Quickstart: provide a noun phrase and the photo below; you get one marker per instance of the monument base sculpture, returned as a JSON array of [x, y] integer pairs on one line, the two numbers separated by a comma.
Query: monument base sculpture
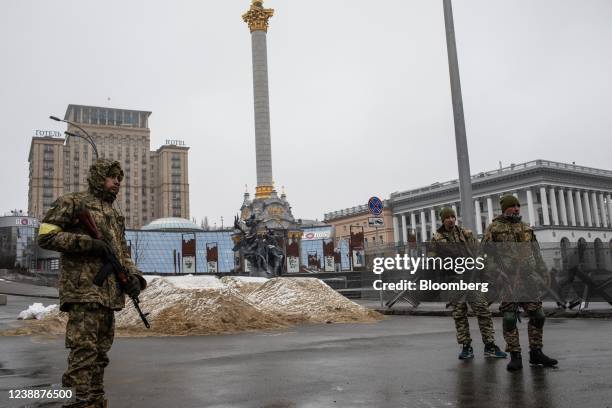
[[266, 236]]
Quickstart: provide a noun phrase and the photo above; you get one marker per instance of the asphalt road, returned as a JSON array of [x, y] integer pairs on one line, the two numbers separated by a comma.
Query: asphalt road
[[404, 361]]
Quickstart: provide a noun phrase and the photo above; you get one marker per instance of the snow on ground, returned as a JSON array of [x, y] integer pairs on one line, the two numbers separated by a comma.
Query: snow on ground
[[199, 305], [308, 299], [36, 311], [195, 282]]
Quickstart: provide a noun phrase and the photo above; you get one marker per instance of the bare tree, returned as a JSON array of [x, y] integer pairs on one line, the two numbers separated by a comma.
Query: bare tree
[[139, 247]]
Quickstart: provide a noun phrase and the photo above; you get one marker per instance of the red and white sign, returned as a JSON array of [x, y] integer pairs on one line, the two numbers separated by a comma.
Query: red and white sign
[[314, 235], [32, 222]]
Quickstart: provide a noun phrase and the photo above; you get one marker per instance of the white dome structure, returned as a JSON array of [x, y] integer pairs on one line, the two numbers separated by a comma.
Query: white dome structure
[[171, 224]]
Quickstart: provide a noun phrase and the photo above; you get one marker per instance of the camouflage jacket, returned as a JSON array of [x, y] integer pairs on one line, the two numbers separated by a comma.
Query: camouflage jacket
[[454, 243], [62, 231], [513, 251]]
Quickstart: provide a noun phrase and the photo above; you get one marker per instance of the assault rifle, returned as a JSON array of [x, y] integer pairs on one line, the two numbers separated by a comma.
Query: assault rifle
[[513, 285], [111, 264]]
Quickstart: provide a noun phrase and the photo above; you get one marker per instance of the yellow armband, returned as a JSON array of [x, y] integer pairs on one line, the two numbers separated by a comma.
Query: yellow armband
[[48, 228]]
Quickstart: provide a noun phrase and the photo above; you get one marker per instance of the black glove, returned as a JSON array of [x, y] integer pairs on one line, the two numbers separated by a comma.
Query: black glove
[[132, 286], [100, 248], [105, 271]]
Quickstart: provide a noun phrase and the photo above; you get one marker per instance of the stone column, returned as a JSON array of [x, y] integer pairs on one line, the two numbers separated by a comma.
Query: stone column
[[489, 210], [530, 209], [478, 217], [587, 207], [604, 216], [413, 223], [395, 230], [544, 204], [553, 206], [257, 18], [596, 217], [423, 227], [455, 210], [579, 208], [609, 209], [404, 231], [432, 215], [562, 207], [572, 208]]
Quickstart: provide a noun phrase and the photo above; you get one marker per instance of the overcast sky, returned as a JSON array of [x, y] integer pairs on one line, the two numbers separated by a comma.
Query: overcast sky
[[359, 91]]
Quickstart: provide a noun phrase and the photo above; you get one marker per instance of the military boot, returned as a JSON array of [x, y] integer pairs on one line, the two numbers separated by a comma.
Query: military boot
[[516, 361], [491, 350], [466, 353], [536, 357]]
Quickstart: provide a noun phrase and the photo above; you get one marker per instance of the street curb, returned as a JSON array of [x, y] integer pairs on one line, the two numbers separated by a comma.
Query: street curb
[[33, 296], [588, 314]]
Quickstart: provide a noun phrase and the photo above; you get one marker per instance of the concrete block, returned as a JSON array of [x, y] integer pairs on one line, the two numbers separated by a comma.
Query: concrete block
[[2, 300]]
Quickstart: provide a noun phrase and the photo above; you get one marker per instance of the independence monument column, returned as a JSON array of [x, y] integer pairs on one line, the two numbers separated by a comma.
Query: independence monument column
[[257, 19]]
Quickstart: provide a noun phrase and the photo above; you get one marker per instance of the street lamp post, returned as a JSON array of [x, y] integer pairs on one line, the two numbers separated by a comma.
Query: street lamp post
[[463, 158], [87, 137]]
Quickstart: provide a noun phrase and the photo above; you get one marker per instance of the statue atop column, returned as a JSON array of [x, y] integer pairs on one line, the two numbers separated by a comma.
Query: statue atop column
[[257, 17], [266, 229]]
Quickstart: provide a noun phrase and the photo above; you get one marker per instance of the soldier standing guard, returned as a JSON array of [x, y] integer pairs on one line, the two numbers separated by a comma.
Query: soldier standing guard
[[91, 324], [508, 228], [454, 241]]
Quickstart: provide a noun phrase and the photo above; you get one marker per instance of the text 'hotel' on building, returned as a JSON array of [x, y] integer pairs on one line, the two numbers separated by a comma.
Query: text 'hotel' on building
[[156, 182]]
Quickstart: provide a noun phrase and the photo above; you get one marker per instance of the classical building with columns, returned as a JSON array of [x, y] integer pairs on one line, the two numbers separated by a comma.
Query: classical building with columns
[[343, 220], [561, 201]]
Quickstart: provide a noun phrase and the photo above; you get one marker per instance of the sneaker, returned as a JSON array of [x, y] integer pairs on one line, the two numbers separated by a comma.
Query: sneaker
[[516, 361], [536, 357], [491, 350], [466, 353]]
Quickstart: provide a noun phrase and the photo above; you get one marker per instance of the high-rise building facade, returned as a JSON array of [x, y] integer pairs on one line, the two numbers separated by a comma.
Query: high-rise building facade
[[170, 180], [45, 176], [155, 184]]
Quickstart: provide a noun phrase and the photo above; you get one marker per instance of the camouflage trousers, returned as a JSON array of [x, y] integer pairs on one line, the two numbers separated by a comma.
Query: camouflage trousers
[[480, 306], [534, 327], [89, 336]]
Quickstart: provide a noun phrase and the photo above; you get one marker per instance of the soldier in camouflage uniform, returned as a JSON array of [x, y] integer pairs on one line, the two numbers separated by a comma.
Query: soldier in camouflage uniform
[[520, 263], [90, 327], [450, 240]]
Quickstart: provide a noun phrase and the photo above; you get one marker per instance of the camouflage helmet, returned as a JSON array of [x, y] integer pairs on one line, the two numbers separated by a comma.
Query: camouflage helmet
[[508, 201], [447, 212], [98, 172]]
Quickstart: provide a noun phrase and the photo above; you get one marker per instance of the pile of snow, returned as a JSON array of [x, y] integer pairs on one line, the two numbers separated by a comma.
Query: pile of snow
[[306, 300], [199, 305], [178, 306], [36, 311]]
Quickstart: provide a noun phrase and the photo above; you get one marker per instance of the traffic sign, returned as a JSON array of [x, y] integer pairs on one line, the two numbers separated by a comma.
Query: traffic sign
[[376, 221], [375, 205]]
